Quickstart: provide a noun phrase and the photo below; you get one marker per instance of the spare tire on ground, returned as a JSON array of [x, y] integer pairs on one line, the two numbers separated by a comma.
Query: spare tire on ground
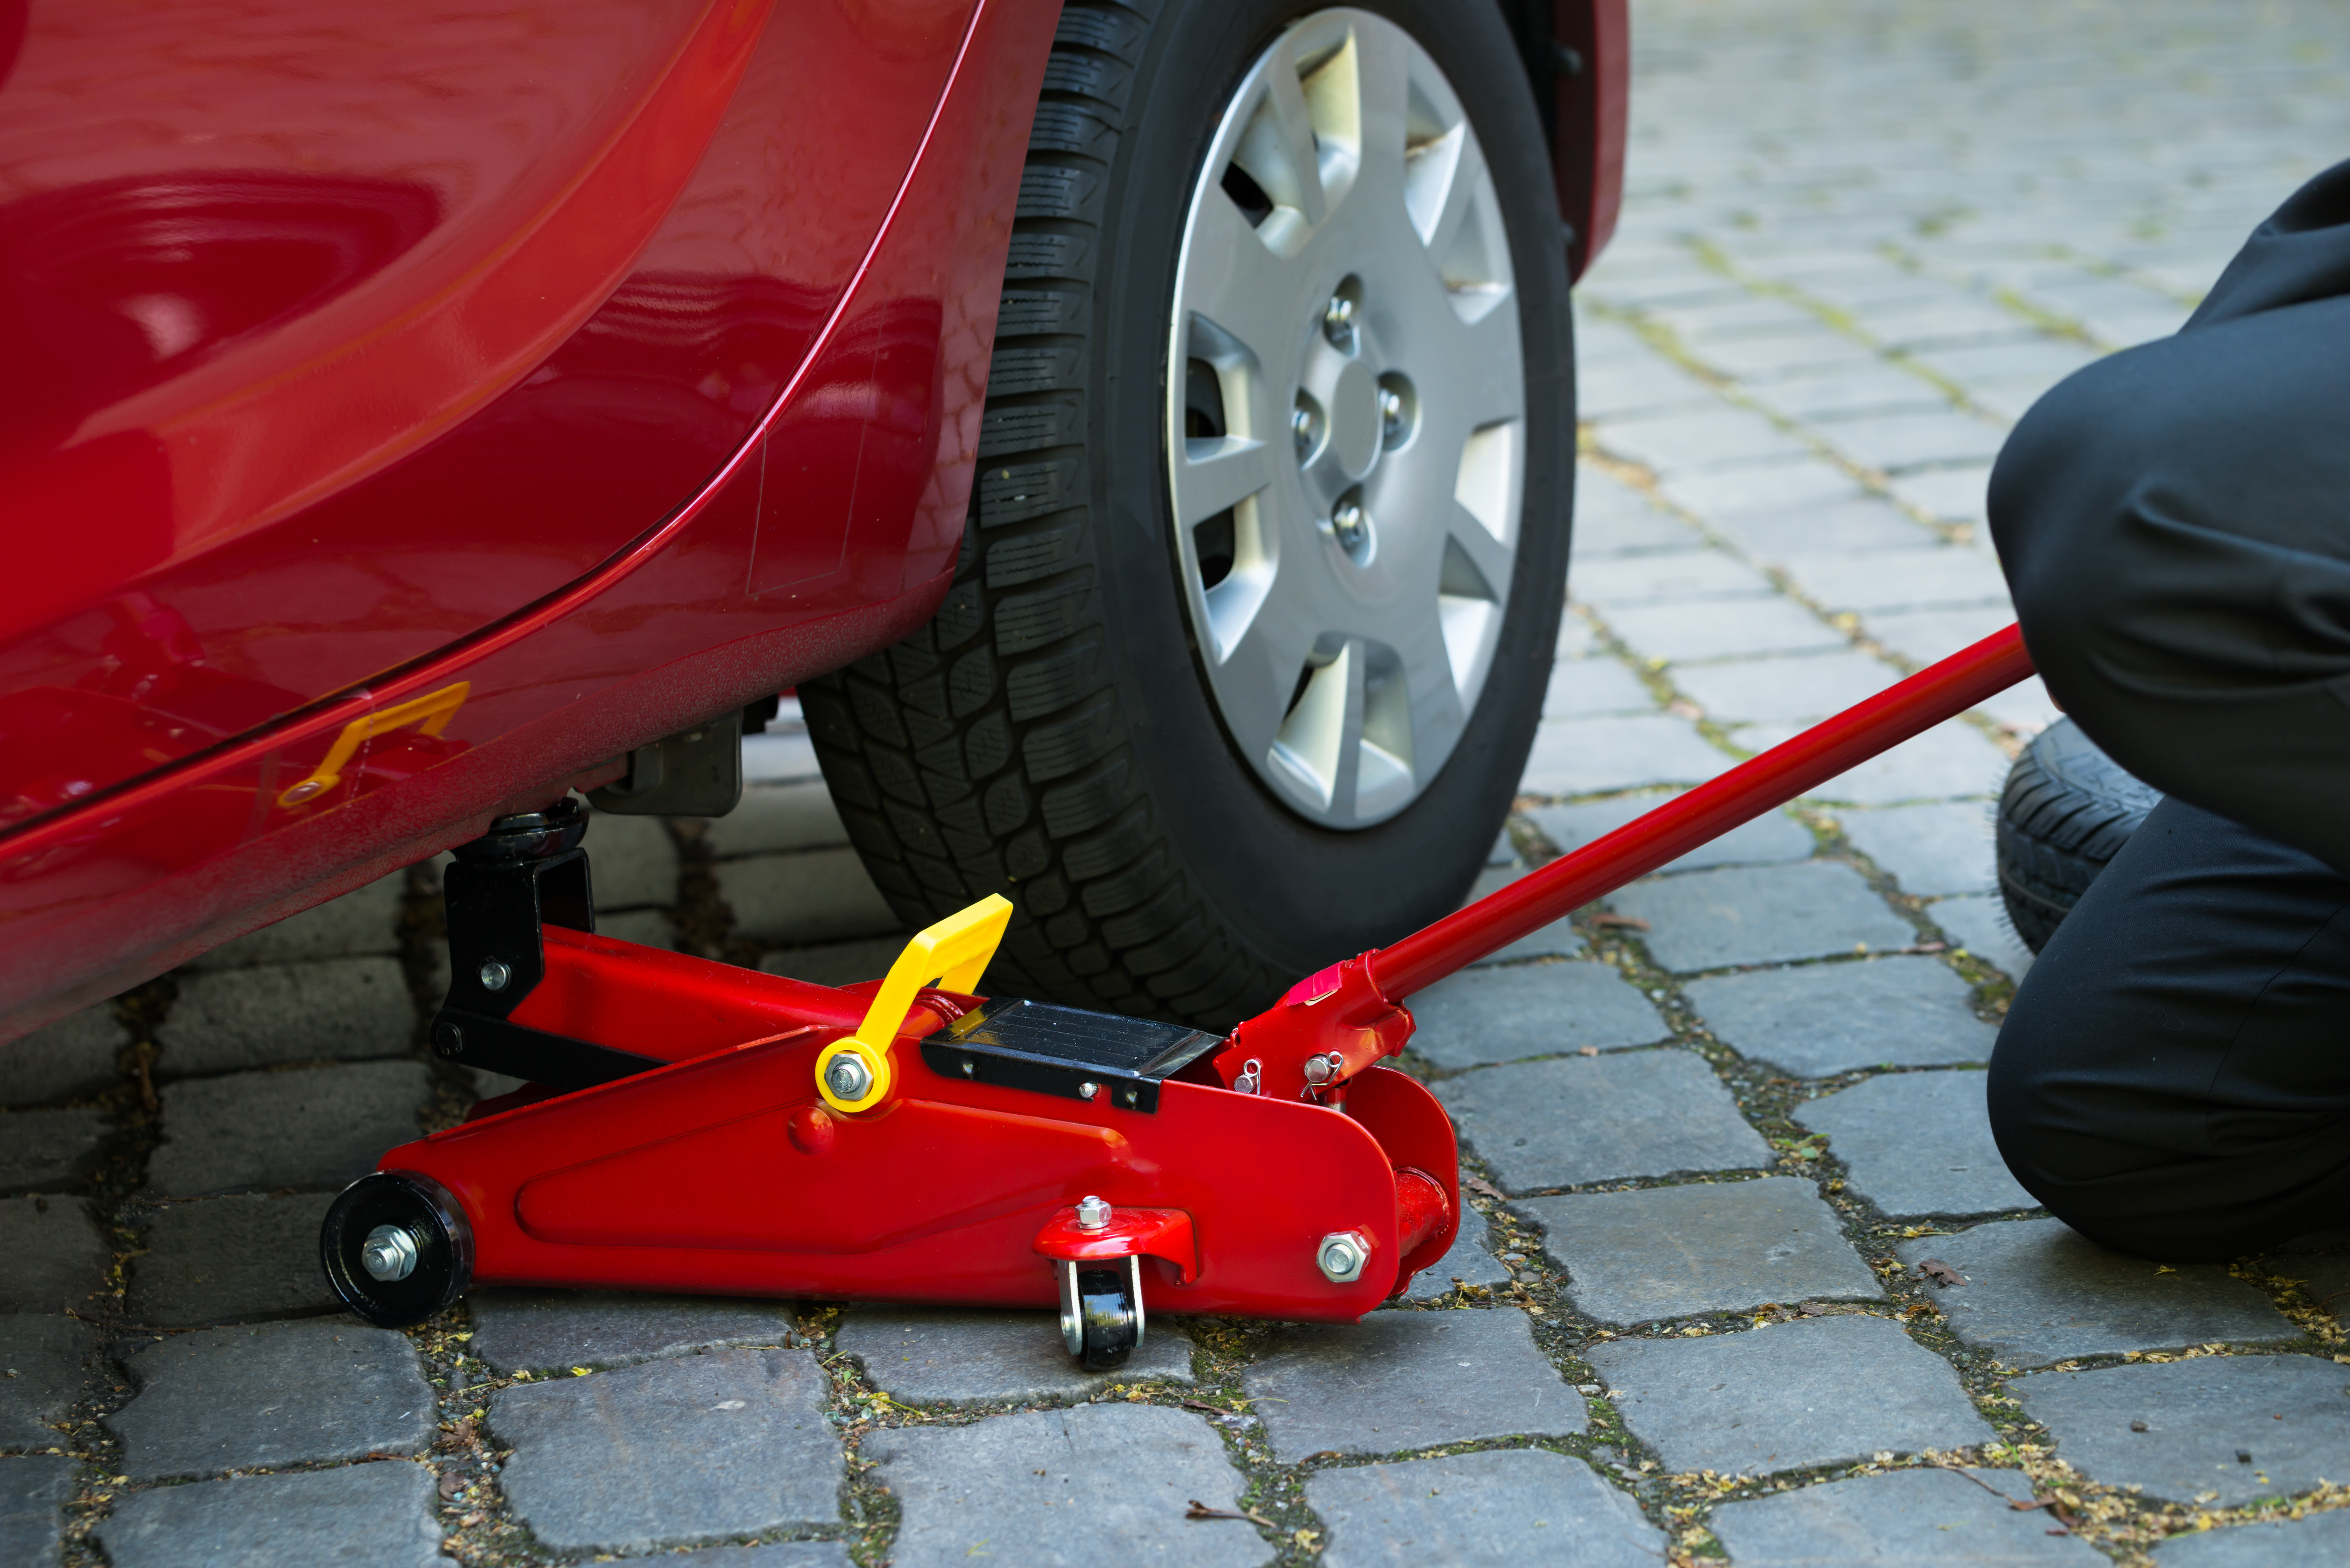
[[2067, 810]]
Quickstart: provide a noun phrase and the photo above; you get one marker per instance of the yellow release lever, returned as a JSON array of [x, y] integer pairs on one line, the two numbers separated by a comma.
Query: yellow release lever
[[854, 1074]]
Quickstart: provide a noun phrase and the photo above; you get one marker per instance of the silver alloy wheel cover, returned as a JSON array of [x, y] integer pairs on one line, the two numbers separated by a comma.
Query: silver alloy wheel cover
[[1377, 184]]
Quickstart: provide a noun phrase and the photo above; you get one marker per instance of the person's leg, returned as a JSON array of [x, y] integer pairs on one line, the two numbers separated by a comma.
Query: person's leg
[[2173, 1078], [2175, 525]]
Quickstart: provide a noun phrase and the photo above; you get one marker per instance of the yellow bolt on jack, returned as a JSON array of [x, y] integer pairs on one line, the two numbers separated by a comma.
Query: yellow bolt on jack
[[855, 1074]]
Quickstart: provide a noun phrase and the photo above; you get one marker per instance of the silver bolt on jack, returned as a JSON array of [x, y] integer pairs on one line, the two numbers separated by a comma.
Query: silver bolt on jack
[[848, 1078], [495, 974], [1320, 1070], [1342, 1256], [388, 1253], [1093, 1213]]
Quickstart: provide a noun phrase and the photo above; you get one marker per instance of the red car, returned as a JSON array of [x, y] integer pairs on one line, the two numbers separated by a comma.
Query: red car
[[1142, 432]]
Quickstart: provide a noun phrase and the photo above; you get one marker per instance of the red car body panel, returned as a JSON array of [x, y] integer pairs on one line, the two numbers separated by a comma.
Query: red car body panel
[[583, 370]]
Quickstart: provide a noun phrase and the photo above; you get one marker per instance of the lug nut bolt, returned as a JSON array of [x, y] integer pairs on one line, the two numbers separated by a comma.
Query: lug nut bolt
[[388, 1253], [1346, 522], [1301, 426], [494, 975], [1093, 1214], [848, 1078], [1342, 1255], [1391, 414], [1338, 322]]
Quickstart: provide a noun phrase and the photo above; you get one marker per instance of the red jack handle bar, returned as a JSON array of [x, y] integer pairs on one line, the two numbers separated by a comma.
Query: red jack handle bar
[[1331, 1025], [1868, 729]]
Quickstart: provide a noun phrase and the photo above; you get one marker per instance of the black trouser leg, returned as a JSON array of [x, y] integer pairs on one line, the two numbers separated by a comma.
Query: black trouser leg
[[2173, 1077]]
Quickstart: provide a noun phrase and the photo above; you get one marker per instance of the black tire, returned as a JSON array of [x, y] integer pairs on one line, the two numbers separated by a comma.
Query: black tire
[[1051, 735], [435, 1222], [2067, 810]]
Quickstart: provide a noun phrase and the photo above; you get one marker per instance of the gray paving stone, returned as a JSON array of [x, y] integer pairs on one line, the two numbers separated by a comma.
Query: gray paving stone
[[1531, 1009], [69, 1059], [1949, 761], [1813, 480], [945, 1356], [1805, 687], [1470, 1260], [1772, 839], [646, 927], [1613, 389], [1611, 583], [1742, 915], [1900, 579], [1612, 519], [1907, 1011], [44, 1367], [538, 1329], [365, 920], [1895, 441], [1576, 640], [1575, 1120], [810, 896], [49, 1149], [1697, 439], [1590, 688], [359, 1516], [1980, 926], [1722, 628], [312, 1126], [1493, 1510], [1670, 1251], [271, 1394], [223, 1259], [1902, 1516], [1951, 494], [774, 1554], [2038, 1293], [1812, 1392], [57, 1258], [1767, 359], [1864, 386], [2048, 360], [672, 1452], [1064, 1488], [1930, 635], [2242, 1427], [229, 1021], [1856, 523], [632, 861], [1917, 1144], [1585, 756], [1930, 849], [2324, 1280], [836, 963], [1402, 1380], [2315, 1538], [1749, 315], [33, 1492]]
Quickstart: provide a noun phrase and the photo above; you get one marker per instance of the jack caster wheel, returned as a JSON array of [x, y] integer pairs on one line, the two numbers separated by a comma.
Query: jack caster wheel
[[397, 1248], [1101, 1314]]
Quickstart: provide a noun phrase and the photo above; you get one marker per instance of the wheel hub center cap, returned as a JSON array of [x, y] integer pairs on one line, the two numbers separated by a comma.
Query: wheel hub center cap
[[1354, 419]]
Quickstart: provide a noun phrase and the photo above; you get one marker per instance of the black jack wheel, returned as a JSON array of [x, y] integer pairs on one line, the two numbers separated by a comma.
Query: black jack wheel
[[1101, 1314], [1268, 541], [2067, 810], [397, 1248]]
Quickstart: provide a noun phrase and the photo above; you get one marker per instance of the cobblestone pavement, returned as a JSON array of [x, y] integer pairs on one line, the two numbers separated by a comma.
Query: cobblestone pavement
[[1722, 1135]]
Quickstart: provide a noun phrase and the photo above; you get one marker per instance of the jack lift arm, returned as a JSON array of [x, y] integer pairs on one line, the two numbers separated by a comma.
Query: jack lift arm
[[690, 1126]]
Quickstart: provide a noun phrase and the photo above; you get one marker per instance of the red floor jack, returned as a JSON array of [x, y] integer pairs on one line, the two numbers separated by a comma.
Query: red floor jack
[[690, 1126]]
